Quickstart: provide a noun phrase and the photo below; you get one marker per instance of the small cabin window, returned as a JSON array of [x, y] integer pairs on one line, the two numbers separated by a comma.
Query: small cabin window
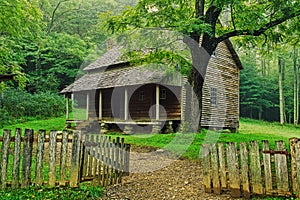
[[163, 94], [141, 96], [213, 96]]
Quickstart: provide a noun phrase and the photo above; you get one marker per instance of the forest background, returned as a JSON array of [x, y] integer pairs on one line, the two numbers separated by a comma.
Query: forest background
[[46, 43]]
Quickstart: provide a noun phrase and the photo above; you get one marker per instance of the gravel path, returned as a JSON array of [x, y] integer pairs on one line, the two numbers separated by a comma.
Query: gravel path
[[156, 176]]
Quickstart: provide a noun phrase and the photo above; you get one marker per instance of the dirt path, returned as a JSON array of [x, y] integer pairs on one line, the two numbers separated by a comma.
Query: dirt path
[[172, 179]]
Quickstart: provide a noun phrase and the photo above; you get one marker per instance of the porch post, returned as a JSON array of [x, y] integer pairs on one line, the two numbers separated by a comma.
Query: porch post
[[157, 102], [67, 107], [72, 106], [100, 104], [126, 105], [87, 104]]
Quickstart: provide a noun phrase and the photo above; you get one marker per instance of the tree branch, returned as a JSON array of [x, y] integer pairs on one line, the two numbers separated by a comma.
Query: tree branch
[[259, 31]]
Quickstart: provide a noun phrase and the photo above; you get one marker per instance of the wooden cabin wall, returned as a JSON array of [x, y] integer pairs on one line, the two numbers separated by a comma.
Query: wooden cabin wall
[[106, 103], [222, 74], [139, 109], [171, 104]]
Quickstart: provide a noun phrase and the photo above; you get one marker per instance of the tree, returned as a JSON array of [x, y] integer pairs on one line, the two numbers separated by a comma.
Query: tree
[[18, 18], [201, 19], [281, 69], [296, 87]]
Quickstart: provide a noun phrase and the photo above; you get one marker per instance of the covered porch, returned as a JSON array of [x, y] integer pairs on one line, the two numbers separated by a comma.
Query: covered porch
[[137, 107]]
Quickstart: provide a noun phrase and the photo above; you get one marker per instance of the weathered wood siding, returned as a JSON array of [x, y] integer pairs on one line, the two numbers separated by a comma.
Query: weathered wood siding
[[139, 107], [106, 103], [222, 74], [171, 104], [145, 109]]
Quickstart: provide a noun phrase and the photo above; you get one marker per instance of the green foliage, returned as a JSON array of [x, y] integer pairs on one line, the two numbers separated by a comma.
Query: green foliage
[[20, 105], [19, 17], [84, 192], [53, 61], [257, 92]]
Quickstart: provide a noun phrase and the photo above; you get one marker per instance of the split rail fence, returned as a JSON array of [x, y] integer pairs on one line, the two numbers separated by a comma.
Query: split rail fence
[[246, 169], [61, 158]]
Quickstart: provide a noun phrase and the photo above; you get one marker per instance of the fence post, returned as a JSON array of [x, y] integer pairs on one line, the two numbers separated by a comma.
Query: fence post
[[75, 167], [297, 151], [39, 157], [267, 166], [223, 175], [215, 169], [113, 166], [281, 168], [127, 159], [16, 164], [293, 142], [118, 174], [244, 169], [4, 159], [63, 157], [206, 168], [52, 158], [27, 158], [255, 168], [234, 176]]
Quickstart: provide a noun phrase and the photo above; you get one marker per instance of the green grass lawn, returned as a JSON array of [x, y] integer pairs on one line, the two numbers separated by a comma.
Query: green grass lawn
[[189, 145], [47, 124]]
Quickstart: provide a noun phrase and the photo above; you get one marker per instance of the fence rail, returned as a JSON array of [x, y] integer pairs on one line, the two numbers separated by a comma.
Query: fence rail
[[252, 169], [61, 158]]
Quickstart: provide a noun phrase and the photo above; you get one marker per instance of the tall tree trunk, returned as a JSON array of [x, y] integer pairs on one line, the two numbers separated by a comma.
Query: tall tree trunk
[[280, 84], [200, 59], [296, 87], [263, 67]]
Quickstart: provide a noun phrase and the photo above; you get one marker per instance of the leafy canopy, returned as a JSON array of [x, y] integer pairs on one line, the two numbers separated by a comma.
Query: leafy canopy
[[202, 17]]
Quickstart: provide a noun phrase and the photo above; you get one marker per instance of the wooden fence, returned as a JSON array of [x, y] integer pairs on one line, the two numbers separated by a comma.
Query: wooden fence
[[252, 169], [61, 158]]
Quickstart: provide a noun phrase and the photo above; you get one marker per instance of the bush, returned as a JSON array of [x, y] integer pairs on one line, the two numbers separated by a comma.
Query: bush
[[18, 106]]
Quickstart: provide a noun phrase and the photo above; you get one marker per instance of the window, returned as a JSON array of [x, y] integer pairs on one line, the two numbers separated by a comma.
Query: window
[[213, 96], [141, 96], [163, 94]]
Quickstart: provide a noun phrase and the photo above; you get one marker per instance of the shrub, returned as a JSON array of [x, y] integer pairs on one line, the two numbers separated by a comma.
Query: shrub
[[19, 105]]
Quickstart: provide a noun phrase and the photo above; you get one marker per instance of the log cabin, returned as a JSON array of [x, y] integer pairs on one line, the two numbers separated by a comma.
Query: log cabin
[[137, 98]]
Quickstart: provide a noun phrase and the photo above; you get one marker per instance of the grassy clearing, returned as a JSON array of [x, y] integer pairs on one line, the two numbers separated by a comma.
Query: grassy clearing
[[189, 145], [48, 124]]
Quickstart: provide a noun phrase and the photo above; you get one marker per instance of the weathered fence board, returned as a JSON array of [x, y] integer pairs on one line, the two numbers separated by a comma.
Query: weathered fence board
[[75, 159], [206, 168], [215, 169], [281, 168], [27, 158], [223, 174], [61, 158], [16, 162], [267, 167], [52, 159], [4, 159], [245, 169], [255, 168], [40, 156], [233, 170], [297, 156], [293, 142]]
